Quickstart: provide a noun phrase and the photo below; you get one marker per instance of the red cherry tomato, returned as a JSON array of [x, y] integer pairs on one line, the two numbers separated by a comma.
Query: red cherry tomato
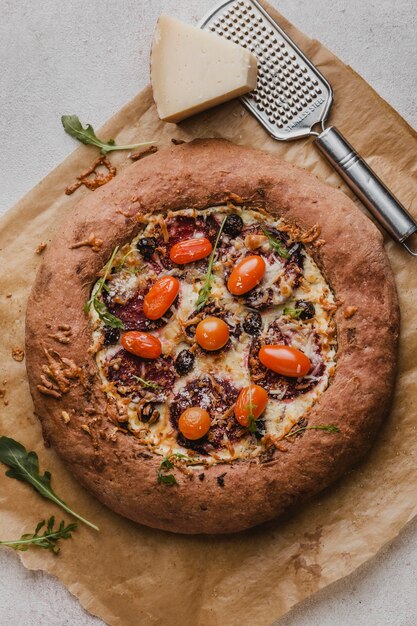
[[244, 403], [190, 250], [194, 423], [141, 344], [160, 297], [285, 360], [212, 333], [246, 275]]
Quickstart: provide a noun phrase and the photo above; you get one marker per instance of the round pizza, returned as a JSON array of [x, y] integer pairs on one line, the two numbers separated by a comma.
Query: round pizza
[[211, 338]]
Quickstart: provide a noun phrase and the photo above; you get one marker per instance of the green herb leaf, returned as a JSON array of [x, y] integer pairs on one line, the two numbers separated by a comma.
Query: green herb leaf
[[130, 270], [48, 539], [329, 428], [165, 465], [167, 479], [24, 466], [276, 245], [205, 290], [295, 313], [146, 383], [105, 316], [73, 127], [94, 301]]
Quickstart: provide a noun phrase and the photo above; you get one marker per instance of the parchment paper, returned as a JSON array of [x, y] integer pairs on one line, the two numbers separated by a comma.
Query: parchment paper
[[130, 575]]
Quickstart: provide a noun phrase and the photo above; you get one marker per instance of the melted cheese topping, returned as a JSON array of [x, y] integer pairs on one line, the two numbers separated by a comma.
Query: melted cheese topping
[[281, 414]]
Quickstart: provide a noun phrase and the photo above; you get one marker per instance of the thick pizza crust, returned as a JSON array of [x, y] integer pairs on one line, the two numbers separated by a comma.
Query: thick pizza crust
[[114, 466]]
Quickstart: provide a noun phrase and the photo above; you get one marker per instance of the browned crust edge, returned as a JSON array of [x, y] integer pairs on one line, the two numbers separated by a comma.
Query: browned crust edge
[[115, 467]]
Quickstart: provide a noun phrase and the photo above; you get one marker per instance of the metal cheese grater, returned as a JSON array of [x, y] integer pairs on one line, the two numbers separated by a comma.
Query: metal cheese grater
[[292, 96]]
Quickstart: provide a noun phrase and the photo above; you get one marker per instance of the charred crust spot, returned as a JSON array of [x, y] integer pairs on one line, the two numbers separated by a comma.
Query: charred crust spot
[[267, 456], [45, 276], [220, 479], [201, 477], [351, 335], [144, 455]]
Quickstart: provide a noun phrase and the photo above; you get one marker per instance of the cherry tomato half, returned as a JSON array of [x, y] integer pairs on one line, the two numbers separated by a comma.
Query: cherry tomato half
[[160, 297], [212, 333], [194, 423], [246, 275], [285, 360], [141, 344], [257, 401], [190, 250]]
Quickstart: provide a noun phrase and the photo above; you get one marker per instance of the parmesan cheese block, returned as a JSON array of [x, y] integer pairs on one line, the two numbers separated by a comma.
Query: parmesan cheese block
[[193, 70]]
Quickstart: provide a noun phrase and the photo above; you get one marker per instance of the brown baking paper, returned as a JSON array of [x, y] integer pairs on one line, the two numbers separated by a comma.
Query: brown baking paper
[[128, 574]]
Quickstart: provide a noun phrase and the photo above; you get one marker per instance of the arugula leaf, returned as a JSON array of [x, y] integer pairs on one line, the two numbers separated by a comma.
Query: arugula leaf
[[24, 466], [130, 270], [276, 245], [48, 539], [329, 428], [94, 301], [165, 465], [295, 313], [205, 290], [146, 383], [73, 127], [105, 316]]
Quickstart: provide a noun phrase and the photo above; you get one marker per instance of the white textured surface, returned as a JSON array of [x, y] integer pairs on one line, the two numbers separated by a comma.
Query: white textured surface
[[90, 58]]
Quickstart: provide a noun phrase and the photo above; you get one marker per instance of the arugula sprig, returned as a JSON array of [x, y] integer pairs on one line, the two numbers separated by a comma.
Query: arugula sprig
[[94, 301], [276, 245], [329, 428], [146, 383], [24, 466], [165, 465], [47, 540], [205, 290], [292, 312], [73, 127], [130, 270]]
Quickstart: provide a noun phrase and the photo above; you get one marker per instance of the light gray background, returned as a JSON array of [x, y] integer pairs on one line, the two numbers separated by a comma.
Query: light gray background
[[90, 57]]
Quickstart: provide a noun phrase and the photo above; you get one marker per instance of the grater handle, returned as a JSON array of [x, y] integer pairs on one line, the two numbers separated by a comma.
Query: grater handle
[[377, 198]]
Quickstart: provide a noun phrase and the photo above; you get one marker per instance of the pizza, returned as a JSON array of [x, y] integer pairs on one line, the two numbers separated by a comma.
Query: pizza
[[211, 338]]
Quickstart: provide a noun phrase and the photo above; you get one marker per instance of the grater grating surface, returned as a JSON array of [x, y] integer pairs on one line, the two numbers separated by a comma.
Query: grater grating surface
[[291, 95]]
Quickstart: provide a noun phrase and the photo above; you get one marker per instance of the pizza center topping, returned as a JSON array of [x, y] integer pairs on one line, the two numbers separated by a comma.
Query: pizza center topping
[[160, 297], [285, 360], [212, 333], [225, 335]]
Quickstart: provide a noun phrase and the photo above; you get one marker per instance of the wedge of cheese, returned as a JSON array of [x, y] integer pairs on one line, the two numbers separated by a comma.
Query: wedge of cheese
[[193, 70]]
